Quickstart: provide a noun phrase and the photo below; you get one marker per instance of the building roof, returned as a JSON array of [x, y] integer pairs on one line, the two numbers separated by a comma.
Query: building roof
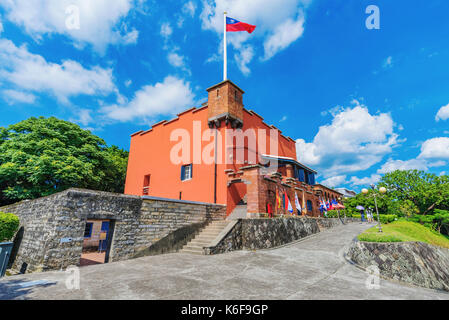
[[287, 159], [330, 189], [223, 82]]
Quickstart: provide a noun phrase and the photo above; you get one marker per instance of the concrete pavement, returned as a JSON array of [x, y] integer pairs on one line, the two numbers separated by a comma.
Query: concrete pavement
[[313, 268]]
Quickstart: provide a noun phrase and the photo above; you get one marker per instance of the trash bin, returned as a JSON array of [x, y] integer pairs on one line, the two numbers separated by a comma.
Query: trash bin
[[5, 253]]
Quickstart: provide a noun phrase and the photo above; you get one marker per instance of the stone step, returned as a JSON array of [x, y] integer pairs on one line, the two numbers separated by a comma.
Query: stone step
[[200, 243], [213, 229], [193, 247], [205, 237], [192, 251], [209, 234]]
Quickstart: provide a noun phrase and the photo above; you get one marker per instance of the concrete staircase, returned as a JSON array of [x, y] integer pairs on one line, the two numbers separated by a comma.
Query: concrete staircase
[[205, 237]]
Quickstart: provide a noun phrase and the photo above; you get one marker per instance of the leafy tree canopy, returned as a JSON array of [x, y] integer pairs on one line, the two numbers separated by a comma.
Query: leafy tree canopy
[[42, 156], [416, 195], [425, 190]]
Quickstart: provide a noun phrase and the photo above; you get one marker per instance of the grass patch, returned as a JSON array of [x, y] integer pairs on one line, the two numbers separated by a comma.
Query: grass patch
[[405, 231]]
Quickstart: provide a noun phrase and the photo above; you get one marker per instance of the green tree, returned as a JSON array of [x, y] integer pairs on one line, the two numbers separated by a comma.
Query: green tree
[[42, 156], [425, 190]]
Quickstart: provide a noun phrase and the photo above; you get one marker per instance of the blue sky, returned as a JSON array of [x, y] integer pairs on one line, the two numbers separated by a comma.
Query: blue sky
[[359, 102]]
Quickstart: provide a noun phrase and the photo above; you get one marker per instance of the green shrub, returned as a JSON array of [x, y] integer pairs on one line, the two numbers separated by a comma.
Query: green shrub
[[386, 218], [331, 214], [9, 223]]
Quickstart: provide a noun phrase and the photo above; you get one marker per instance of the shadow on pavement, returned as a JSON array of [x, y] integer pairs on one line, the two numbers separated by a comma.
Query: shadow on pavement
[[19, 289]]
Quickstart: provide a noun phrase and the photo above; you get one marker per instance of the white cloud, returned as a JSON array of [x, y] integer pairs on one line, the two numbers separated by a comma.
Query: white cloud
[[436, 148], [32, 72], [284, 35], [243, 58], [176, 60], [414, 164], [13, 97], [84, 117], [166, 30], [335, 181], [128, 83], [1, 26], [388, 63], [189, 8], [101, 21], [366, 181], [169, 97], [279, 23], [284, 118], [443, 113], [354, 141]]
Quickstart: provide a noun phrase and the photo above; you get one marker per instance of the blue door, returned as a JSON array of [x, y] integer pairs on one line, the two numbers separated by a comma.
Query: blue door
[[104, 228]]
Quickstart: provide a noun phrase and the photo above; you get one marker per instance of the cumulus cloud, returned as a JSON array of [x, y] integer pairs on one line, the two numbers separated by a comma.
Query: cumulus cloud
[[335, 181], [443, 113], [284, 34], [84, 117], [413, 164], [166, 30], [366, 181], [14, 96], [436, 148], [189, 8], [25, 70], [354, 141], [101, 22], [279, 23], [171, 96]]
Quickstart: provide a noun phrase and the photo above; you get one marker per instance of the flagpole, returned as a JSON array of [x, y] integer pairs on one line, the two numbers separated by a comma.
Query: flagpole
[[225, 54]]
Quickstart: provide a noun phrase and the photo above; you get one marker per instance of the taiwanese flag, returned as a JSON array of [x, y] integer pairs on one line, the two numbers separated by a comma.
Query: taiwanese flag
[[233, 25]]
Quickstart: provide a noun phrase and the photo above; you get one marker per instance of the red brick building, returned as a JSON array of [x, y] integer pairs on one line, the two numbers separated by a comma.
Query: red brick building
[[254, 161]]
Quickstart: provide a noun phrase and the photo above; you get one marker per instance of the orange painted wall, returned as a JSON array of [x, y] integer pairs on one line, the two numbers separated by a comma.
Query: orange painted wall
[[150, 155]]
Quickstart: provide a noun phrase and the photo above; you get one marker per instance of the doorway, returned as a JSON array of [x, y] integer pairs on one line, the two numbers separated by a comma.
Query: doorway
[[96, 244]]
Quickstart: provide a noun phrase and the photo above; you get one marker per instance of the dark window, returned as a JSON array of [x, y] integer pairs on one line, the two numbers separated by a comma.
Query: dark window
[[309, 206], [301, 175], [186, 172], [88, 230], [146, 184], [311, 178], [105, 226]]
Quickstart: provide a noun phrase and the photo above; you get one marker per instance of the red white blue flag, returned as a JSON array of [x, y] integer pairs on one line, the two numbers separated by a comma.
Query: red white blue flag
[[233, 25]]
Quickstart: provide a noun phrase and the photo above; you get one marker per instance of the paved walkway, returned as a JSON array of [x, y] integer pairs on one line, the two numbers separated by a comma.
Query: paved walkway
[[311, 269]]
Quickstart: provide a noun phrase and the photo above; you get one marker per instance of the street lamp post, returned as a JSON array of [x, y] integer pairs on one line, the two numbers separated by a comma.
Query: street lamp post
[[382, 190]]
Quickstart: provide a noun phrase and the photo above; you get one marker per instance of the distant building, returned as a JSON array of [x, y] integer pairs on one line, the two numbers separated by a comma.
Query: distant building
[[346, 192]]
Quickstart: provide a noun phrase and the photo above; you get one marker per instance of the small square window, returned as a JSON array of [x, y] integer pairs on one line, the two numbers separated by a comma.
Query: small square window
[[186, 172]]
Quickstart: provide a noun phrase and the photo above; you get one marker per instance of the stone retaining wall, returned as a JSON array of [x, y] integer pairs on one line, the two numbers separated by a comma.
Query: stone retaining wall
[[53, 226], [416, 263], [254, 234]]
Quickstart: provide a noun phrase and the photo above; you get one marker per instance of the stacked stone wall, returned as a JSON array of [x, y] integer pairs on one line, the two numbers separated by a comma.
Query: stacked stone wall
[[53, 227]]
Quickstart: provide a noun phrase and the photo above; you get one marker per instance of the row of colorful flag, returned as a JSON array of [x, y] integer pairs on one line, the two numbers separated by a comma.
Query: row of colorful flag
[[283, 202], [330, 205]]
